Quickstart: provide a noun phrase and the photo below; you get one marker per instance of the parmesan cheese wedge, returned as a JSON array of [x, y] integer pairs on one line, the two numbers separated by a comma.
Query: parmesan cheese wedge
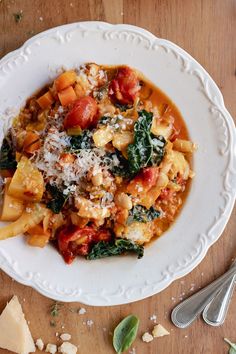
[[14, 331], [159, 331]]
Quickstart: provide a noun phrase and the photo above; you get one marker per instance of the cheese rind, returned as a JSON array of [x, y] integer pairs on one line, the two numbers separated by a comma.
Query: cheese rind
[[14, 331]]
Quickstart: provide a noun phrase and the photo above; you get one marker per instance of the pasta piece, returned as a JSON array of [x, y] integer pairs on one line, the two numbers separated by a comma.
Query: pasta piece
[[27, 182], [11, 208], [32, 216], [184, 145], [88, 209], [174, 186], [37, 236], [121, 140], [179, 165], [161, 129], [103, 136]]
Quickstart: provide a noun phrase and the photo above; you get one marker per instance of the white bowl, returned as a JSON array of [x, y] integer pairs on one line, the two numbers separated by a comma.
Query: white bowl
[[121, 280]]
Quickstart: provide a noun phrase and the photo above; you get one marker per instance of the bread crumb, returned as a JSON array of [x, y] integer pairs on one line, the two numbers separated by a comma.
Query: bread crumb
[[51, 348], [82, 311], [39, 344], [89, 323], [147, 337], [67, 348], [153, 318], [65, 336]]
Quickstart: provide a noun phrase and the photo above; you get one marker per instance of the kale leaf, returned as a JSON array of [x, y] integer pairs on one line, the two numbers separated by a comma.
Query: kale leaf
[[7, 158], [141, 214], [58, 198], [107, 249], [82, 141], [122, 169], [147, 149], [104, 120]]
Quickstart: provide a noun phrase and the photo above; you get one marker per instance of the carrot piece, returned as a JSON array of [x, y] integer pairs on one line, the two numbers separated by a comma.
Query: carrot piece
[[31, 142], [45, 100], [65, 80], [67, 96]]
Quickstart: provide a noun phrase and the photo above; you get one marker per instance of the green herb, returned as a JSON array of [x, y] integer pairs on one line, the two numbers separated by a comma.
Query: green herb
[[125, 333], [7, 158], [30, 33], [82, 141], [232, 349], [147, 149], [58, 198], [141, 214], [123, 107], [104, 120], [55, 309], [107, 249], [52, 323], [18, 16]]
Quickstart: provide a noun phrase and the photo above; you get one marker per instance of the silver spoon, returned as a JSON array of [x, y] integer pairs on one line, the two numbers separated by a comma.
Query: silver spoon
[[188, 310], [215, 312]]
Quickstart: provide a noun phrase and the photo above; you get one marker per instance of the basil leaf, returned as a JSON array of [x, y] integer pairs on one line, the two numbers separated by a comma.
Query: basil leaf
[[7, 158], [104, 249], [82, 141], [147, 149], [58, 198], [123, 107], [125, 333], [141, 214], [232, 349]]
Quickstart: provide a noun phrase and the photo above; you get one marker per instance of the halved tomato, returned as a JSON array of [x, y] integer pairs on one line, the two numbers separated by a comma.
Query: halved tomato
[[73, 240], [125, 87]]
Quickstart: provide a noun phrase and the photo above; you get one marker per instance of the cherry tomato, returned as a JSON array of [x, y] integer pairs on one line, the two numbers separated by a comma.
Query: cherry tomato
[[82, 114], [166, 194], [125, 87], [145, 180], [69, 236]]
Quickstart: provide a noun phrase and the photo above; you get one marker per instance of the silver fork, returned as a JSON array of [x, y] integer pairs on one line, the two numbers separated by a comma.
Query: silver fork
[[188, 310]]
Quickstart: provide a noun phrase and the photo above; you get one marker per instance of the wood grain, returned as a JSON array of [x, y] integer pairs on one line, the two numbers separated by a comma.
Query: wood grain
[[207, 30]]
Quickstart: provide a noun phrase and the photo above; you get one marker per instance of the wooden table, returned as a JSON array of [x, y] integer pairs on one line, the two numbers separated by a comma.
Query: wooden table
[[207, 30]]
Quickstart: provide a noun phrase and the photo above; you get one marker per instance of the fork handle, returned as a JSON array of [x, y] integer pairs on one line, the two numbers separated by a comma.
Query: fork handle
[[188, 310], [215, 313]]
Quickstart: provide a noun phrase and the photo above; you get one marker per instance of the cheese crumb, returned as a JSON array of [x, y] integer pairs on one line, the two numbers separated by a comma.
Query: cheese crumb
[[51, 348], [39, 344], [153, 318], [82, 311], [67, 348], [159, 331], [147, 337], [90, 323], [65, 336]]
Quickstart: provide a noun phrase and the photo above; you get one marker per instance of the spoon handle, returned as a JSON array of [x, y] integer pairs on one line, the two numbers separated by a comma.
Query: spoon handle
[[215, 313], [188, 310]]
